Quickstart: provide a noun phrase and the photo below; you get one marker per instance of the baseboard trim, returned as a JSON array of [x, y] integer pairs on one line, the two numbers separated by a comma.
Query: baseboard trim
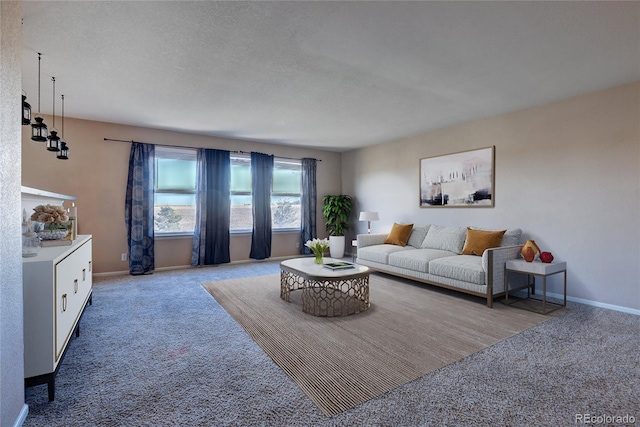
[[182, 267], [596, 304], [22, 416]]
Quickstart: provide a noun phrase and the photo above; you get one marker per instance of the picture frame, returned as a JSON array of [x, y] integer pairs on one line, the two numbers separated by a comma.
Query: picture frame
[[463, 179]]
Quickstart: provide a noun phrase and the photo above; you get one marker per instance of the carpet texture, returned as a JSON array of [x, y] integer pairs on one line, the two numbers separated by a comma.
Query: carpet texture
[[341, 362], [158, 350]]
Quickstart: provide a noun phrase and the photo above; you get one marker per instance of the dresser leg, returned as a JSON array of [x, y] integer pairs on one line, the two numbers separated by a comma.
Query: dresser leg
[[51, 388]]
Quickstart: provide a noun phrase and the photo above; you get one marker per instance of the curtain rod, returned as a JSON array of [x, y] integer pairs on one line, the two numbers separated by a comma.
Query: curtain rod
[[182, 146]]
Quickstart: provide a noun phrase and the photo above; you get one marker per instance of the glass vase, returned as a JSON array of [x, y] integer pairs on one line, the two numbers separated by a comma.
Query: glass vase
[[31, 244], [318, 259]]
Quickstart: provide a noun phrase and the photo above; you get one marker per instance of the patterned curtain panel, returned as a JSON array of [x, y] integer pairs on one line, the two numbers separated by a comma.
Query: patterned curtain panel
[[211, 237], [309, 200], [139, 208], [261, 182]]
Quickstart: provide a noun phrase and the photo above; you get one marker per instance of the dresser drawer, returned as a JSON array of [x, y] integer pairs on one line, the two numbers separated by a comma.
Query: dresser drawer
[[72, 289]]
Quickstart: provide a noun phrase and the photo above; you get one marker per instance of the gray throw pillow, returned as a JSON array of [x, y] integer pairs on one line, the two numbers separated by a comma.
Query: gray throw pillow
[[417, 236], [445, 238], [511, 237]]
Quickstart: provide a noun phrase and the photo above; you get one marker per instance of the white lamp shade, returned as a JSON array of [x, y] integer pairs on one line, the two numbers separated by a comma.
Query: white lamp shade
[[368, 216]]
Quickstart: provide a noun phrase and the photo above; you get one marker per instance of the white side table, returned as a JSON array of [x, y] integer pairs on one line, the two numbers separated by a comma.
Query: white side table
[[535, 268]]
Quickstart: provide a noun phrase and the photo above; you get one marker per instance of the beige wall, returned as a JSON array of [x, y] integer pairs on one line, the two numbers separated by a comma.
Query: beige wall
[[567, 173], [96, 174]]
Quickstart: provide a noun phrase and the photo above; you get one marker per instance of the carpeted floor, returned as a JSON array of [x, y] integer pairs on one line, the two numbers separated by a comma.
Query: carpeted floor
[[341, 362], [157, 350]]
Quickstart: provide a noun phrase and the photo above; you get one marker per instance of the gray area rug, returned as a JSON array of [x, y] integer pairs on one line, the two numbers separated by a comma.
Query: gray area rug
[[341, 362], [157, 350]]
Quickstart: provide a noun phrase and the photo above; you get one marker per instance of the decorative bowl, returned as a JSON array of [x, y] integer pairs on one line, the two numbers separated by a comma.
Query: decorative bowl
[[53, 234]]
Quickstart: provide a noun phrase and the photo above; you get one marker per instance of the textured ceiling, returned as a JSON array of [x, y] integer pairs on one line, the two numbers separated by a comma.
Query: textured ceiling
[[330, 75]]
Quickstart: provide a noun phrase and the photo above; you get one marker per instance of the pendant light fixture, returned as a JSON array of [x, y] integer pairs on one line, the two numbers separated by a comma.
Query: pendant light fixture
[[39, 128], [53, 144], [26, 111], [64, 150]]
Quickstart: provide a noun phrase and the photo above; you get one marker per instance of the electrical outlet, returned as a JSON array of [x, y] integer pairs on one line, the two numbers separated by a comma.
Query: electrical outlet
[[123, 257]]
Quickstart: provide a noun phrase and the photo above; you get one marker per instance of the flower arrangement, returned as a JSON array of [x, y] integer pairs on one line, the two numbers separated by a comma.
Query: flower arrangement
[[54, 217], [318, 246]]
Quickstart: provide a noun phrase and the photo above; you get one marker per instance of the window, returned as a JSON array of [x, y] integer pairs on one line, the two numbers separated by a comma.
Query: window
[[241, 214], [286, 194], [175, 191]]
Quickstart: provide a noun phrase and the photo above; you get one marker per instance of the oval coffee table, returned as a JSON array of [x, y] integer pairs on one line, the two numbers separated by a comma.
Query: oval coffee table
[[325, 292]]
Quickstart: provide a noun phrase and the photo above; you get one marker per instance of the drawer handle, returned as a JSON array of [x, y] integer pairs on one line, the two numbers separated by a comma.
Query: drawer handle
[[84, 274], [75, 286], [90, 265], [64, 302]]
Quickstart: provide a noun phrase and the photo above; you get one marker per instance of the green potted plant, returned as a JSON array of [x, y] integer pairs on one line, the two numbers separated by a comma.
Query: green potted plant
[[336, 212]]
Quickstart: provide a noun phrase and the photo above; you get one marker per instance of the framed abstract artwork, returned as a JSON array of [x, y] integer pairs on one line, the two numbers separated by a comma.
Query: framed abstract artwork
[[463, 179]]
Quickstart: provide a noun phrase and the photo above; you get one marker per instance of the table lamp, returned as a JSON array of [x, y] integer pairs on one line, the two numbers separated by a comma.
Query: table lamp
[[368, 216]]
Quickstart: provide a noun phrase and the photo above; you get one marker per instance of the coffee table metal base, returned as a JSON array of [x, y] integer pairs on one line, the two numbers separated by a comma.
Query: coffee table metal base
[[327, 297]]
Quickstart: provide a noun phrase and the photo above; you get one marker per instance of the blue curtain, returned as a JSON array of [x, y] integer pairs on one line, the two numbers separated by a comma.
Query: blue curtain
[[200, 229], [261, 181], [309, 201], [211, 236], [139, 208]]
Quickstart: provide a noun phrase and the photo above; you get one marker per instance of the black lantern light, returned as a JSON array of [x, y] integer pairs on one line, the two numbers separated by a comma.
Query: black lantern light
[[53, 144], [39, 129], [64, 151], [26, 111]]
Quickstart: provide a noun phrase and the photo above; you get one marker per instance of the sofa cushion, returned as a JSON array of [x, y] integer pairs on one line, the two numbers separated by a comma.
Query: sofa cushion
[[417, 260], [445, 238], [467, 268], [478, 241], [418, 233], [380, 253], [399, 234]]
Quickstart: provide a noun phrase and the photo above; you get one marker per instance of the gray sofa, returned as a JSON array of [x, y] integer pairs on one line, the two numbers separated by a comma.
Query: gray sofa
[[432, 255]]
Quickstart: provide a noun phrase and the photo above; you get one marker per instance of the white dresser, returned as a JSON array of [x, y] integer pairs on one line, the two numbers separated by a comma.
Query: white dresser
[[57, 286]]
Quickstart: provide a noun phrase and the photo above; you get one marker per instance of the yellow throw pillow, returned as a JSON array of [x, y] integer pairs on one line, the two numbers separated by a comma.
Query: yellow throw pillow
[[399, 234], [480, 240]]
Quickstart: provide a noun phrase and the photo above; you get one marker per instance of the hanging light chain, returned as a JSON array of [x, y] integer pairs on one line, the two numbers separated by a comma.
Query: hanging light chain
[[63, 154], [53, 79], [39, 128], [54, 139], [39, 59]]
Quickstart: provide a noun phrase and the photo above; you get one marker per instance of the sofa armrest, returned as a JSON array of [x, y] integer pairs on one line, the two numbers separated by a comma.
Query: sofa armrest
[[493, 262], [365, 240]]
